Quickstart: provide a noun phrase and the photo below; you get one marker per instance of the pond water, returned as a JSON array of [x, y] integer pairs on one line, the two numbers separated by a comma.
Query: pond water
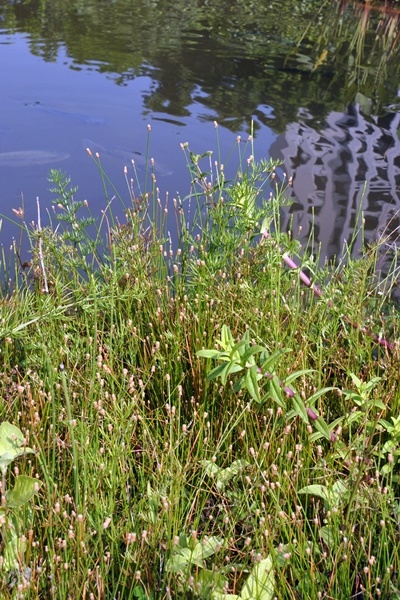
[[317, 82]]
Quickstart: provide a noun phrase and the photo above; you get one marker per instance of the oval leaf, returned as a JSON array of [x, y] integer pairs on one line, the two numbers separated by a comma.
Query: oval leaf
[[205, 549], [260, 584], [24, 489], [11, 444]]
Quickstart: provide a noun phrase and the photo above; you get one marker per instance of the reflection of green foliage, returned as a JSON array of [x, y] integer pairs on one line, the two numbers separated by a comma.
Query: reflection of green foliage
[[233, 58], [361, 41]]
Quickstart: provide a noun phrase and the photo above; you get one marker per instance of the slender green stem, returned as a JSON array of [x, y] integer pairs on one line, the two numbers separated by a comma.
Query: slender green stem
[[71, 426]]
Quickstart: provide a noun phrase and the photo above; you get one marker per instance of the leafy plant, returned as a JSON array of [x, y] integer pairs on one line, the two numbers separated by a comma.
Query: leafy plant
[[188, 554], [73, 226], [390, 450], [12, 445], [240, 357], [361, 420], [261, 380], [260, 584], [223, 476]]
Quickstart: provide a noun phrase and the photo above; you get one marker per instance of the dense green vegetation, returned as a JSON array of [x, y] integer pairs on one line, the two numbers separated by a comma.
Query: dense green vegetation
[[203, 423]]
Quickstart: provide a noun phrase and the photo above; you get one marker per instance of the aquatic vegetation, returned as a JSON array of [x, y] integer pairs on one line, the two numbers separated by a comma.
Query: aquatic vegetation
[[67, 114], [363, 36], [30, 158], [205, 424]]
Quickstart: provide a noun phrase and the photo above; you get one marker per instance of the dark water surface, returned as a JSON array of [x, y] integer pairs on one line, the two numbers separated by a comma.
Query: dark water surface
[[321, 92]]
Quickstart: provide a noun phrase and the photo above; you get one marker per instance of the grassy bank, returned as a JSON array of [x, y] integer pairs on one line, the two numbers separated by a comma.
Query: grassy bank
[[204, 423]]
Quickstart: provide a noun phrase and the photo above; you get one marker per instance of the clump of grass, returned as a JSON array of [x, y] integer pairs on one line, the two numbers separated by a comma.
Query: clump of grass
[[195, 409]]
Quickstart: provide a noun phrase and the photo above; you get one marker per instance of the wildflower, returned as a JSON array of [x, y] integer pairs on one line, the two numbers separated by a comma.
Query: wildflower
[[313, 416]]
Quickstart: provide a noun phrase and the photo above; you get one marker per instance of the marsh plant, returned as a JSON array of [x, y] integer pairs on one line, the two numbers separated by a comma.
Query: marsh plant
[[14, 513], [205, 424]]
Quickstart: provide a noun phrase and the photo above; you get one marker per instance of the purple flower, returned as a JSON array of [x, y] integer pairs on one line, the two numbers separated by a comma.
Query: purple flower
[[313, 416]]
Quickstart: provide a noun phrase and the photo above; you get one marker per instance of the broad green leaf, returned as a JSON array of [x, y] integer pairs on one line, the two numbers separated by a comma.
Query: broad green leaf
[[225, 475], [388, 426], [314, 437], [372, 383], [11, 553], [298, 374], [239, 349], [231, 367], [396, 424], [315, 490], [205, 549], [265, 225], [211, 468], [366, 103], [333, 495], [216, 372], [335, 423], [311, 400], [139, 592], [275, 392], [208, 353], [253, 350], [11, 444], [388, 468], [260, 584], [392, 428], [389, 446], [377, 404], [272, 358], [357, 382], [183, 540], [251, 384], [10, 436], [299, 408], [323, 428], [338, 492], [227, 342], [208, 581], [354, 416], [327, 535], [355, 396], [219, 596], [224, 371], [24, 489], [13, 548], [180, 560]]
